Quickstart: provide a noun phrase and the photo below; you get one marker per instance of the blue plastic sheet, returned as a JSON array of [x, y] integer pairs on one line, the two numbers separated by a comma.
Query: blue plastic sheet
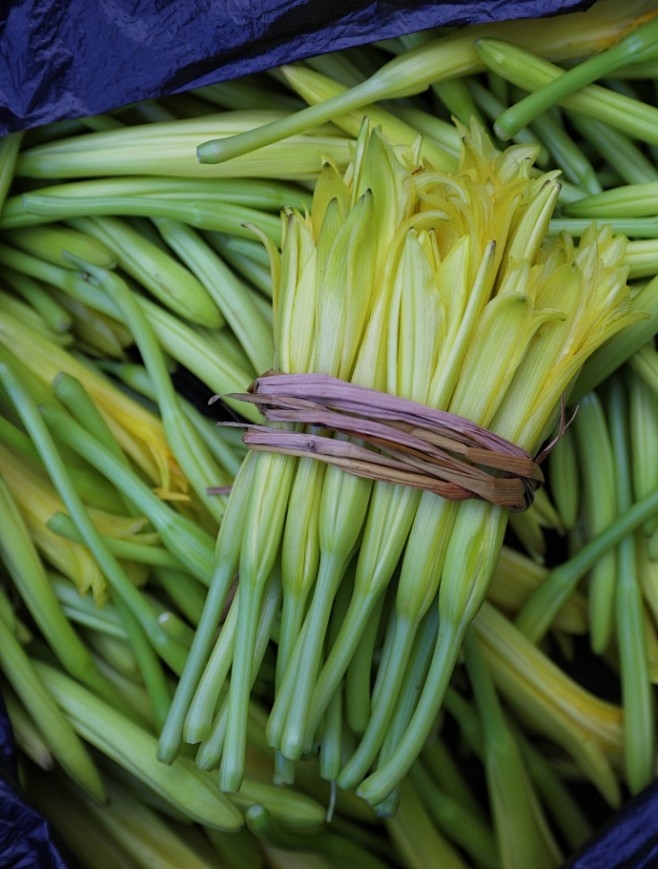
[[69, 59], [629, 841], [26, 840]]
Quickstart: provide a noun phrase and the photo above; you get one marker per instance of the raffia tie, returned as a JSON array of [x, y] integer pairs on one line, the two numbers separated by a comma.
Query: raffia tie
[[398, 441]]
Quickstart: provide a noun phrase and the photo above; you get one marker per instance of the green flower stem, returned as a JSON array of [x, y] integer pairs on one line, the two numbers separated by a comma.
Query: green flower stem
[[568, 814], [132, 747], [343, 505], [566, 153], [212, 685], [148, 663], [82, 610], [522, 835], [470, 558], [65, 746], [413, 71], [596, 468], [215, 746], [337, 848], [531, 72], [243, 255], [617, 149], [74, 397], [186, 593], [121, 585], [637, 690], [300, 555], [230, 535], [307, 659], [259, 549], [316, 89], [230, 295], [216, 438], [390, 681], [170, 281], [331, 736], [331, 739], [468, 831], [126, 550], [93, 488], [639, 46], [39, 298], [191, 454], [180, 340], [359, 673], [444, 768], [186, 540], [492, 108], [26, 570], [37, 208], [539, 611], [390, 515], [418, 670], [169, 150], [416, 837], [635, 227]]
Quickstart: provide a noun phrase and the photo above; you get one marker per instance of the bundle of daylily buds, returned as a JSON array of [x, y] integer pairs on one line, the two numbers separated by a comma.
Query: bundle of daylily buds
[[326, 459], [432, 300]]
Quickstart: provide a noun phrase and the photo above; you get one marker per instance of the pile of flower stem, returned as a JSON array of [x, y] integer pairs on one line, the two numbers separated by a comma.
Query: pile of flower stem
[[214, 655]]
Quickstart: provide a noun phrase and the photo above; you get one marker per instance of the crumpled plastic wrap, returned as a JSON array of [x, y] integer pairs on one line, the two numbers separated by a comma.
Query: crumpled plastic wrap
[[69, 59], [628, 841], [26, 839]]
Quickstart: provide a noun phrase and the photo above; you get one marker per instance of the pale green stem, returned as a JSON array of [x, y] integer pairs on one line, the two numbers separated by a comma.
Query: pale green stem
[[538, 613], [638, 46], [148, 663], [637, 691], [222, 577], [121, 585], [188, 542]]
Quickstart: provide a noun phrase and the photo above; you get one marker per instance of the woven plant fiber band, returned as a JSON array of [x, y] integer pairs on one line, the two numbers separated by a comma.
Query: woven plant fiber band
[[392, 439]]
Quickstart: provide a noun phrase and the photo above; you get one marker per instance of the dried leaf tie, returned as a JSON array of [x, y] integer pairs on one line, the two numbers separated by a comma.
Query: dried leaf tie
[[393, 439]]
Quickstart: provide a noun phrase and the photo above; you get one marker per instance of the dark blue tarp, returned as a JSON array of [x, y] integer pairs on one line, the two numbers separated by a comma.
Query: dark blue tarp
[[26, 840], [629, 841], [69, 58]]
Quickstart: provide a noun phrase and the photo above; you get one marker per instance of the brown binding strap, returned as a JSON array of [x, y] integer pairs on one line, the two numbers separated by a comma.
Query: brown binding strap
[[397, 440]]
